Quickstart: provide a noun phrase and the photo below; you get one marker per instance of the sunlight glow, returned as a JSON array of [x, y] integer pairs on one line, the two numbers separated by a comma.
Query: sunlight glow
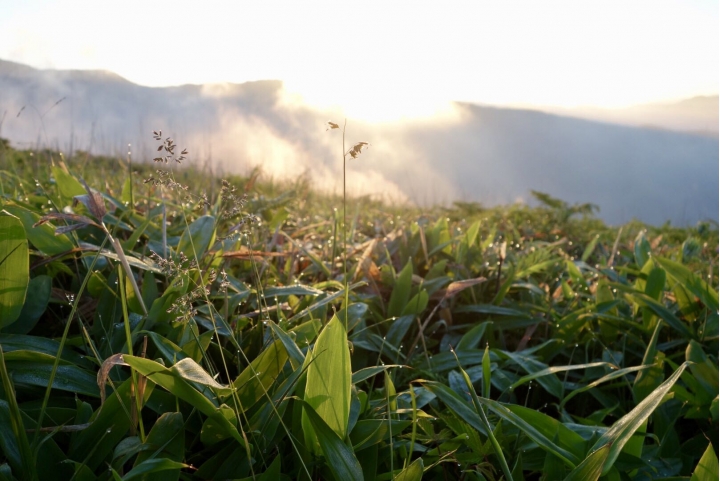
[[385, 61]]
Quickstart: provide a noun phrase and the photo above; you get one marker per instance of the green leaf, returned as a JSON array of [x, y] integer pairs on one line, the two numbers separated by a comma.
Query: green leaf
[[398, 329], [623, 429], [591, 467], [707, 468], [14, 268], [13, 438], [179, 381], [273, 471], [691, 282], [401, 292], [663, 313], [703, 369], [369, 372], [340, 458], [551, 428], [642, 249], [605, 378], [259, 376], [109, 425], [151, 466], [67, 378], [36, 302], [589, 248], [413, 472], [327, 389], [456, 404], [296, 290], [166, 440], [68, 185], [417, 304], [197, 237], [554, 369], [472, 338], [297, 358], [487, 375], [43, 236], [531, 431], [368, 432]]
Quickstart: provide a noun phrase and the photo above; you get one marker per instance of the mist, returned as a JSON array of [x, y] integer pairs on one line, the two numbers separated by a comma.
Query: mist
[[475, 153]]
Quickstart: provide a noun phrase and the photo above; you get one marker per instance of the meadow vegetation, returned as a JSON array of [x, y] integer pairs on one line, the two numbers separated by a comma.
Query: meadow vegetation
[[157, 322]]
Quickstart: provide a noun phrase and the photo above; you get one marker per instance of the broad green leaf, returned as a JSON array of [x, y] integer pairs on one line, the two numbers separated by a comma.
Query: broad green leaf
[[539, 370], [591, 467], [456, 404], [327, 388], [166, 440], [490, 430], [417, 304], [398, 330], [703, 369], [185, 370], [663, 313], [551, 428], [707, 467], [178, 379], [486, 374], [691, 282], [296, 290], [126, 196], [20, 342], [14, 268], [297, 358], [36, 302], [68, 185], [213, 432], [472, 338], [589, 248], [273, 471], [413, 472], [67, 378], [623, 429], [552, 370], [368, 432], [531, 431], [494, 310], [645, 382], [197, 237], [401, 291], [340, 458], [109, 425], [153, 466], [605, 378], [259, 376], [14, 440], [369, 372], [42, 237], [642, 249]]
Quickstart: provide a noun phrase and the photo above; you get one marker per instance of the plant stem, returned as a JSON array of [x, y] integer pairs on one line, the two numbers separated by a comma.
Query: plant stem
[[344, 231]]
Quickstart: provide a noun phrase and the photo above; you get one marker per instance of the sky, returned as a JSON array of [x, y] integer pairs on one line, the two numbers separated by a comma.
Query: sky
[[382, 60]]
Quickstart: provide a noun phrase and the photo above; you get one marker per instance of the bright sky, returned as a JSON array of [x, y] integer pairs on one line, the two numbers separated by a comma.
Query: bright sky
[[382, 60]]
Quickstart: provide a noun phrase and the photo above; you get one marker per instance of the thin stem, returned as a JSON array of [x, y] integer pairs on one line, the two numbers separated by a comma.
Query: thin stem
[[344, 231]]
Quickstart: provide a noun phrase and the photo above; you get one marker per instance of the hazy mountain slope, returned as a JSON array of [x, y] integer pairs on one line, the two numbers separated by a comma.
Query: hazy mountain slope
[[697, 115], [491, 155]]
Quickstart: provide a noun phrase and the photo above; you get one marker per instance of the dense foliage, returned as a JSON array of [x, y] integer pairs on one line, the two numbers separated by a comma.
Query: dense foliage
[[151, 330]]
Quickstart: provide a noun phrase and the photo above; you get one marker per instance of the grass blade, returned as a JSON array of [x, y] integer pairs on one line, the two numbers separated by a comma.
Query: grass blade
[[621, 432]]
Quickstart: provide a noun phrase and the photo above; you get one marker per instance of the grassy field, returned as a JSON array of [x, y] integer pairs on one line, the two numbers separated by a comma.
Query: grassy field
[[159, 323]]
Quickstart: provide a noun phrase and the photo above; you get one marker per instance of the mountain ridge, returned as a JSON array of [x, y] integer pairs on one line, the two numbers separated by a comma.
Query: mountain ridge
[[488, 154]]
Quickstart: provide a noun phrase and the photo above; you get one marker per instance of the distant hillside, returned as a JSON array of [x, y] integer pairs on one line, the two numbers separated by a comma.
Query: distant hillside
[[697, 115], [484, 154]]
